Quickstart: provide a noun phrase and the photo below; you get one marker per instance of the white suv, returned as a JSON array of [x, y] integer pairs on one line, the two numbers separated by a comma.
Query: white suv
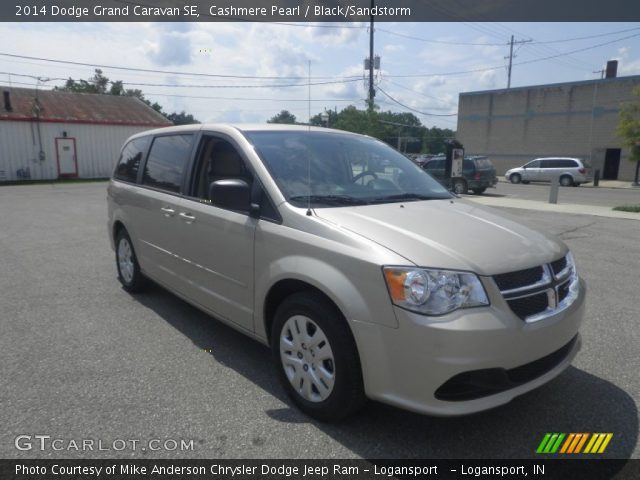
[[570, 171]]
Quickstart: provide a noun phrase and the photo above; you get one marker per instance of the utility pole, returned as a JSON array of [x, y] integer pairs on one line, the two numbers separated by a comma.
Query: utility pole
[[511, 44], [372, 92]]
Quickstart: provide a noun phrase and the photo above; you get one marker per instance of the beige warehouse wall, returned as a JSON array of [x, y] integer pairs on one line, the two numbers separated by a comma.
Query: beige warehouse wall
[[573, 119]]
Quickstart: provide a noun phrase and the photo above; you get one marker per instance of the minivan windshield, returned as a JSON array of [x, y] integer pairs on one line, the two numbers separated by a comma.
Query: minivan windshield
[[326, 169]]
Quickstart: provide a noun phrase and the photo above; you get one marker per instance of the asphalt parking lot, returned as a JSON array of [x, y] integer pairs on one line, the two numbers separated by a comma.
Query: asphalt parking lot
[[82, 359]]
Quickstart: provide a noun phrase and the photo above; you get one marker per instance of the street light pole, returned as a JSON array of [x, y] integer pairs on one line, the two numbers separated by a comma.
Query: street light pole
[[372, 92]]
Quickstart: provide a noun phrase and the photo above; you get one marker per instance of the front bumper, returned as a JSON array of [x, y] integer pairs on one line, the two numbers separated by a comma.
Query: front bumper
[[406, 366]]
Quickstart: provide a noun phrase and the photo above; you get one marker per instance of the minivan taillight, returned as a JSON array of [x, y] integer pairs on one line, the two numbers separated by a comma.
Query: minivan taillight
[[582, 170], [477, 176]]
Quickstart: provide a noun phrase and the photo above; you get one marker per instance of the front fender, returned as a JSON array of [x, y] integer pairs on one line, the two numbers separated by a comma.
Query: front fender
[[366, 302]]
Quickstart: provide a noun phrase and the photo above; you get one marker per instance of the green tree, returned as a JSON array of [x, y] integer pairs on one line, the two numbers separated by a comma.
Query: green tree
[[629, 130], [283, 117], [402, 129], [99, 84], [96, 84], [434, 139], [182, 118]]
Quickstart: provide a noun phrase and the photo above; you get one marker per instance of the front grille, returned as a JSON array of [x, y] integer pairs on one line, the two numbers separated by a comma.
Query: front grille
[[519, 279], [563, 291], [528, 306], [559, 265], [534, 291]]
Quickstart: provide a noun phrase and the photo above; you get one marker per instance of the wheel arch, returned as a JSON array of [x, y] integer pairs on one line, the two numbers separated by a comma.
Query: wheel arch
[[285, 288], [117, 227]]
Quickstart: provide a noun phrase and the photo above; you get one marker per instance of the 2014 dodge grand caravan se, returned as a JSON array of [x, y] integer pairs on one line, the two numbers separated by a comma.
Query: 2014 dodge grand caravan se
[[364, 275]]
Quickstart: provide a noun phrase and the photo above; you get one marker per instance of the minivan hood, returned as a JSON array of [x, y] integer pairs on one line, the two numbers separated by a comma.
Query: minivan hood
[[452, 234]]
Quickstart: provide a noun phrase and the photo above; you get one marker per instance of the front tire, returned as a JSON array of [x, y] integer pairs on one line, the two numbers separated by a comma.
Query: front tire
[[515, 178], [129, 273], [316, 357]]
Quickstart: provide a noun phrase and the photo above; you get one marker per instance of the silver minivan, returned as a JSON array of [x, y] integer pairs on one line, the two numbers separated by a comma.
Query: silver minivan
[[568, 171], [365, 276]]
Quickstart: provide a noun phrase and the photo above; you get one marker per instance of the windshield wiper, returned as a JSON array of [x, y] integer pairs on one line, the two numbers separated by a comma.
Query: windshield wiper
[[329, 199], [405, 196]]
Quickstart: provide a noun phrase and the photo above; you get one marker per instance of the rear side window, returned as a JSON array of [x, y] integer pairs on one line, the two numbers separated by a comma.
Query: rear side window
[[483, 163], [435, 165], [167, 162], [567, 163], [130, 158], [548, 164]]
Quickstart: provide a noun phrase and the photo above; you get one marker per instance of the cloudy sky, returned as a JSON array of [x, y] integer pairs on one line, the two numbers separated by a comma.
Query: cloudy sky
[[249, 72]]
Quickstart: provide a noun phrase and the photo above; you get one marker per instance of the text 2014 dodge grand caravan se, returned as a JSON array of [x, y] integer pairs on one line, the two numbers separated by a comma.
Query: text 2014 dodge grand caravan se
[[364, 275]]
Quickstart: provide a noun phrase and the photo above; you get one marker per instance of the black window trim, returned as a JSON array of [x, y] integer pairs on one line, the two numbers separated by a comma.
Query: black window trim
[[195, 135], [143, 160], [189, 181]]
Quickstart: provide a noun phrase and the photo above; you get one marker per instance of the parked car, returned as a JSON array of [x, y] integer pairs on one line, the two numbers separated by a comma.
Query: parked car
[[569, 171], [365, 282], [478, 174]]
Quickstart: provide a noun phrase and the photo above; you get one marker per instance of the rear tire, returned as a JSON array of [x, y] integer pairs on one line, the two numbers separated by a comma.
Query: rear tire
[[129, 273], [479, 191], [316, 357], [515, 178], [566, 181]]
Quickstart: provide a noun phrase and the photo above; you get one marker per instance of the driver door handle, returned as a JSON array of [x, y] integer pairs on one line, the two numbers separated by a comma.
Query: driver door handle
[[187, 217], [168, 211]]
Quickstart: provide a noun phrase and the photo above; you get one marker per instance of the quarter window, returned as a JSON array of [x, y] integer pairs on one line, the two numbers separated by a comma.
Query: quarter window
[[567, 163], [129, 162], [166, 163]]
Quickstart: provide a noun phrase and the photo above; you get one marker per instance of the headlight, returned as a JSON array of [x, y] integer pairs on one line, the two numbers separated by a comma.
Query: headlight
[[433, 292]]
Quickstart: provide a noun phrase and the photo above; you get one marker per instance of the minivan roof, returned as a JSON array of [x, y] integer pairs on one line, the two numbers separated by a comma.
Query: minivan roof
[[557, 158], [242, 127]]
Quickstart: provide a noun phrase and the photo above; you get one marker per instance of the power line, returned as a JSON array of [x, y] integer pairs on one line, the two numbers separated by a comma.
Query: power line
[[191, 86], [535, 60], [255, 99], [442, 42], [486, 44], [238, 86], [542, 50], [414, 110], [166, 72], [419, 93]]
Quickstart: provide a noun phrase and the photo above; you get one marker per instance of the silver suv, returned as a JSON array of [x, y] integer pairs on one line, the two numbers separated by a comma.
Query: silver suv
[[365, 277], [569, 171]]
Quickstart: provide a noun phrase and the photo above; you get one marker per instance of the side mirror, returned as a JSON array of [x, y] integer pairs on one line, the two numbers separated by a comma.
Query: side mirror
[[232, 194]]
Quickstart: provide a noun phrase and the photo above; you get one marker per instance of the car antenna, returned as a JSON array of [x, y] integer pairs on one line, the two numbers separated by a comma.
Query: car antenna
[[308, 156]]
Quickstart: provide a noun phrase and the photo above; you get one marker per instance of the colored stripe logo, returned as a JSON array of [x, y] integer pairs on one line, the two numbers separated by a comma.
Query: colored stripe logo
[[574, 443]]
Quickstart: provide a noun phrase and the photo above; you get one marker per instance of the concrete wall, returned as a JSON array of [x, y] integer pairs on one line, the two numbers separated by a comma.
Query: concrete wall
[[97, 148], [570, 119]]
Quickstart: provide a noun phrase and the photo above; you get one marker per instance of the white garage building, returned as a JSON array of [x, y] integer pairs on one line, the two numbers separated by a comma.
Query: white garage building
[[48, 134]]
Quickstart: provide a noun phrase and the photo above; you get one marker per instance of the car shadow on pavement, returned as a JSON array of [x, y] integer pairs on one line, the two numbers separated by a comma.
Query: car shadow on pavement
[[576, 401], [491, 194]]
